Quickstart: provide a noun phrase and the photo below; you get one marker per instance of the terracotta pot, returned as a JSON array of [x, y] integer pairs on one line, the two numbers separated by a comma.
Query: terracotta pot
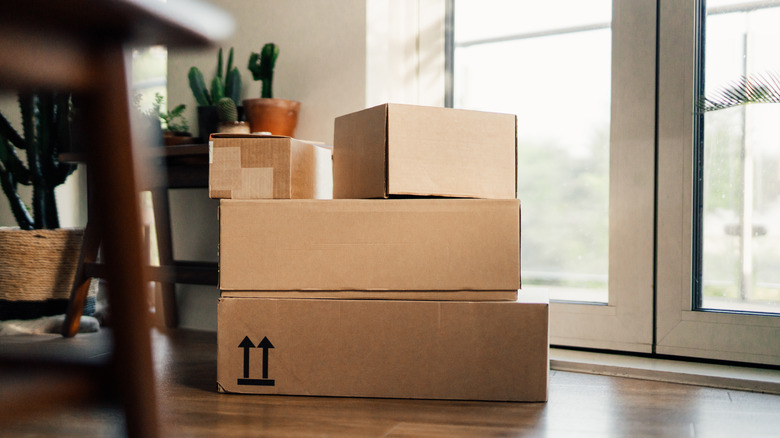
[[277, 116]]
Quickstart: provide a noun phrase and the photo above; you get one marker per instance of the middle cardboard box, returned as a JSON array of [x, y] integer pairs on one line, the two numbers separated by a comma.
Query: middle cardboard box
[[370, 245]]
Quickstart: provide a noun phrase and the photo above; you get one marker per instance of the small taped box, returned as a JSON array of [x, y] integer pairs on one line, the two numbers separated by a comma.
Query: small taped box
[[249, 166], [396, 150]]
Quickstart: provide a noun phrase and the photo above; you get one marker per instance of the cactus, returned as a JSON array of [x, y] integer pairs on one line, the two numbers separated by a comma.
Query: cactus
[[262, 67], [46, 128], [227, 85], [226, 110], [198, 87]]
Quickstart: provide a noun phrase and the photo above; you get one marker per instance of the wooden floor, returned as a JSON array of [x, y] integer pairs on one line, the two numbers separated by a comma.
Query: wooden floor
[[579, 405]]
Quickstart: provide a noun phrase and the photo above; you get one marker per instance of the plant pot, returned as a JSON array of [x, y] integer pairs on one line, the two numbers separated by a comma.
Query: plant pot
[[37, 272], [174, 138], [277, 116], [208, 121], [234, 128]]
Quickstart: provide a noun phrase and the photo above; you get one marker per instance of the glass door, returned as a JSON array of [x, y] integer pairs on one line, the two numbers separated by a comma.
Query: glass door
[[718, 181], [740, 166]]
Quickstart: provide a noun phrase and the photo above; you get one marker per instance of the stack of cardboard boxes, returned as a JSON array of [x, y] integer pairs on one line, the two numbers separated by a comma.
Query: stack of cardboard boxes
[[405, 285]]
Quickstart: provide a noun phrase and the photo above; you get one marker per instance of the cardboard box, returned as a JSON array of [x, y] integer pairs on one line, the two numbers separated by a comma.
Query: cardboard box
[[370, 245], [398, 349], [247, 166], [397, 149], [429, 295]]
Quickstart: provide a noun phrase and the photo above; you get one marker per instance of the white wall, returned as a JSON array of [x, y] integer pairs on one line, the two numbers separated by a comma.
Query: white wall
[[321, 60], [321, 63]]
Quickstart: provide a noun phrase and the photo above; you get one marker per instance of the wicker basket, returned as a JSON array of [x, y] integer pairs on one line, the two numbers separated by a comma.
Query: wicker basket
[[38, 265]]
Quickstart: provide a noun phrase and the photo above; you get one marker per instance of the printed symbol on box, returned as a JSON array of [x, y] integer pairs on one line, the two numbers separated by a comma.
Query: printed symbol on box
[[247, 344]]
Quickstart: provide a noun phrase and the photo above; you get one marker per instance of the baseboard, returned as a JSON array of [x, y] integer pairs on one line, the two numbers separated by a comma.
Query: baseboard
[[674, 371]]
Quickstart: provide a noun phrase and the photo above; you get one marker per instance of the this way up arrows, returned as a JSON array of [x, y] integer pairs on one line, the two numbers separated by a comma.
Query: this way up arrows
[[265, 344], [246, 344]]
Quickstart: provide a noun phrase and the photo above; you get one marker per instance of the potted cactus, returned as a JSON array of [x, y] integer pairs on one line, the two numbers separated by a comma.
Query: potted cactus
[[226, 83], [228, 118], [267, 114], [38, 258]]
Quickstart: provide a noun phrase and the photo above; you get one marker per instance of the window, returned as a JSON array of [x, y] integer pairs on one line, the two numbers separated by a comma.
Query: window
[[740, 166], [149, 75], [605, 94], [521, 61]]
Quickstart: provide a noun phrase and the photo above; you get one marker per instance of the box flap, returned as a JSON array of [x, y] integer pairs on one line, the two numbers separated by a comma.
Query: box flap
[[359, 154], [312, 170]]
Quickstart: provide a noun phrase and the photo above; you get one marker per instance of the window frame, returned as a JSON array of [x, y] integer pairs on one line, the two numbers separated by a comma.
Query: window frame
[[680, 330], [626, 322]]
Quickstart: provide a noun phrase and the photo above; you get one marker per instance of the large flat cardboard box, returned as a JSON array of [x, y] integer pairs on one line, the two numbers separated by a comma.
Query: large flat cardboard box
[[395, 149], [450, 350], [427, 295], [370, 245], [250, 166]]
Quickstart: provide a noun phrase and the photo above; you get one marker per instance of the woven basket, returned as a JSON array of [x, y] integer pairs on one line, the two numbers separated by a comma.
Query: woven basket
[[38, 265]]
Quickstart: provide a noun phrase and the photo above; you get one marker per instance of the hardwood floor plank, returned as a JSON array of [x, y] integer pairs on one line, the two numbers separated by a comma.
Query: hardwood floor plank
[[580, 405]]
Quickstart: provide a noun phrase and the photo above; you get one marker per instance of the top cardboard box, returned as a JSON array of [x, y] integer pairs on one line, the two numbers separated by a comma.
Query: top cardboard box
[[249, 166], [395, 149]]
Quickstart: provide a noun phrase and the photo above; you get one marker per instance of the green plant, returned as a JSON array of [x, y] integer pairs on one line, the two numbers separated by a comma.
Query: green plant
[[226, 110], [46, 130], [754, 88], [227, 85], [173, 120], [262, 67]]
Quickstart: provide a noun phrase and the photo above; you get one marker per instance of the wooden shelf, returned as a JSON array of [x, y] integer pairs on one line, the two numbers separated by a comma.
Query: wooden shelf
[[183, 272]]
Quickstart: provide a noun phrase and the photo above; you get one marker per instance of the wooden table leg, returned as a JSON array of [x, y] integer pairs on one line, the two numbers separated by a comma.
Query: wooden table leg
[[162, 224]]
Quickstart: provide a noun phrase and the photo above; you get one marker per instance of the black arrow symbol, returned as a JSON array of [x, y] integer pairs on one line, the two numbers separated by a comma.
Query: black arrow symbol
[[265, 344], [246, 344]]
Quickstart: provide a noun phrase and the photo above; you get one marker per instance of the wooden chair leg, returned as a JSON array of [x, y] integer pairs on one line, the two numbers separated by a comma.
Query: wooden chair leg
[[81, 282], [162, 224], [115, 167]]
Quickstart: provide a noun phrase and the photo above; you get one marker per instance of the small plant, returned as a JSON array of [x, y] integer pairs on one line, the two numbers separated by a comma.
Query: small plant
[[46, 131], [755, 88], [173, 120], [262, 67], [226, 110], [227, 85]]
